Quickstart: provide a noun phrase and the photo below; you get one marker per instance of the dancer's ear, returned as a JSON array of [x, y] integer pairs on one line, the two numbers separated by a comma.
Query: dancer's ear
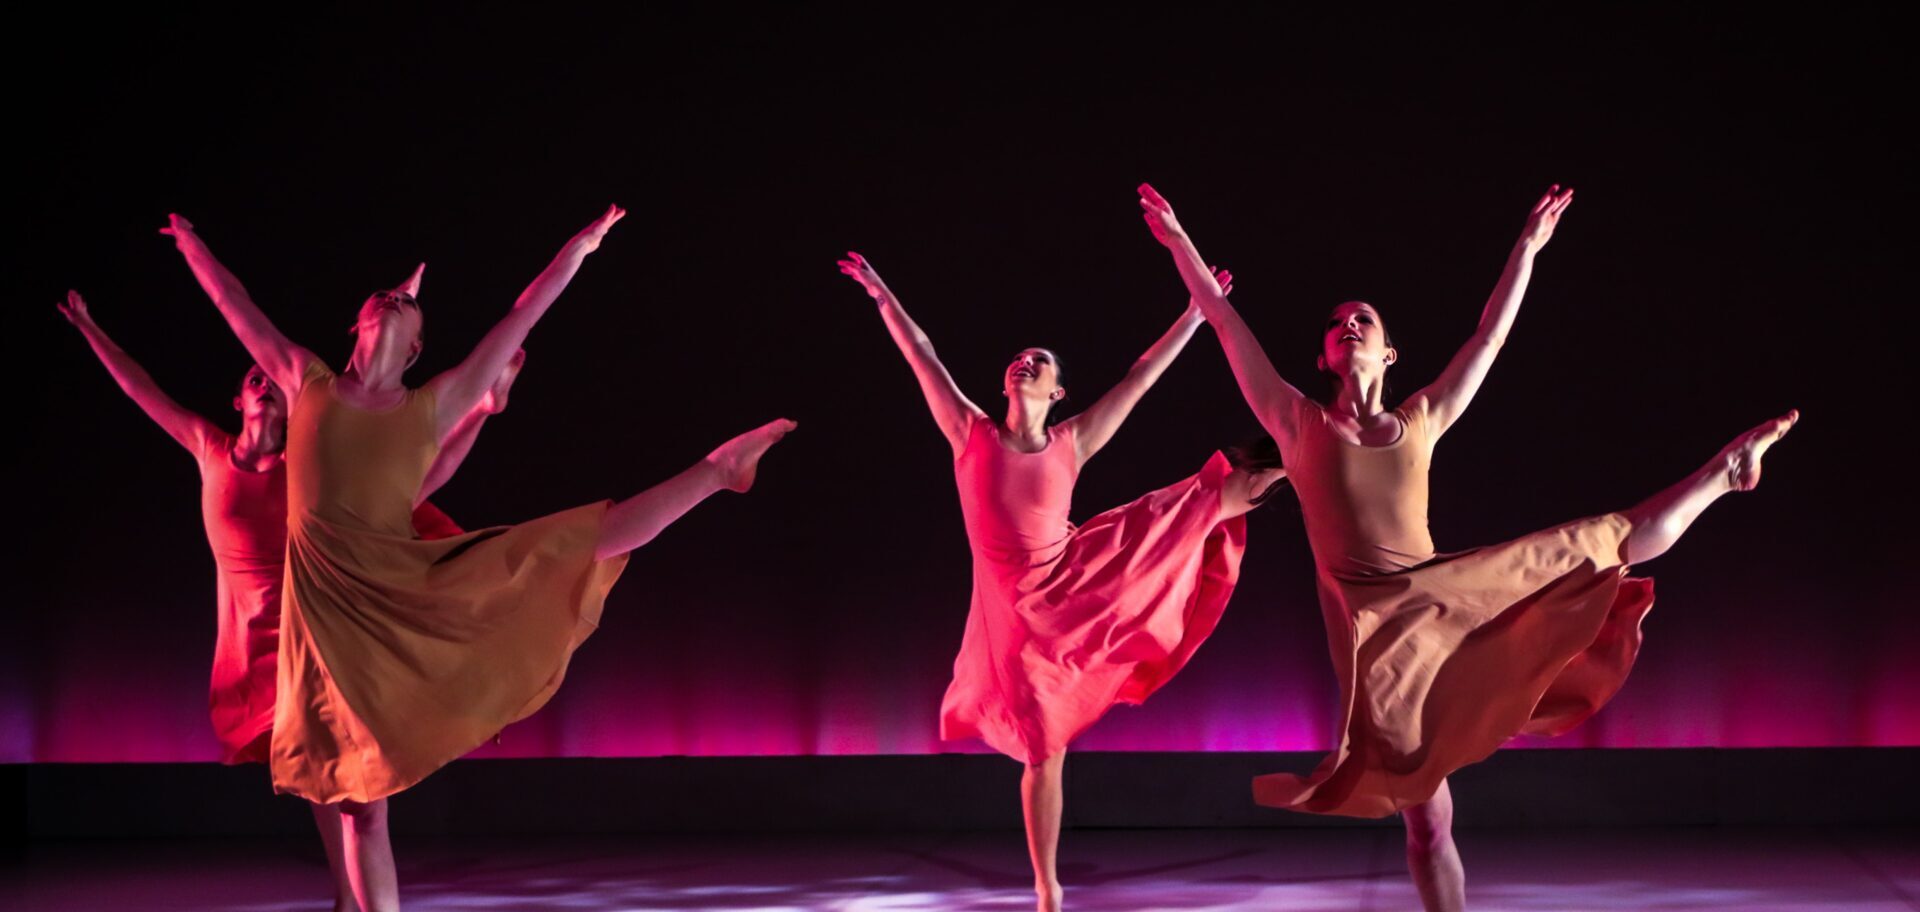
[[413, 354], [1392, 355], [236, 404], [1320, 363], [1058, 394]]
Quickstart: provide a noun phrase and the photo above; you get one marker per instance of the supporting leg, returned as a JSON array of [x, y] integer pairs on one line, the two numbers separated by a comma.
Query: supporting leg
[[326, 818], [1043, 799], [1432, 856], [369, 855]]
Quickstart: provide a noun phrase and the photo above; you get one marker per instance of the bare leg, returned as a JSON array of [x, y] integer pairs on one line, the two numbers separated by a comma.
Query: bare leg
[[370, 856], [1659, 520], [326, 817], [1245, 490], [1432, 856], [635, 521], [1043, 798]]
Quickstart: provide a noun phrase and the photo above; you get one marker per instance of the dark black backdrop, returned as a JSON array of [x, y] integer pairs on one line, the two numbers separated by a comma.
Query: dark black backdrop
[[1739, 246]]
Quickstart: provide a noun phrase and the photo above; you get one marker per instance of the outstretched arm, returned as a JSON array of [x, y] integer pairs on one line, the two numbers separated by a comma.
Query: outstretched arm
[[1447, 397], [1271, 398], [459, 389], [454, 450], [284, 361], [1097, 425], [189, 429], [952, 411]]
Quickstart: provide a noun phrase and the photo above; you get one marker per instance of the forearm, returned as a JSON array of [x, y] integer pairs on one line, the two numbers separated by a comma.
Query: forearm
[[553, 280], [1503, 305], [1159, 356], [140, 386], [453, 452], [132, 378], [1201, 285], [256, 333]]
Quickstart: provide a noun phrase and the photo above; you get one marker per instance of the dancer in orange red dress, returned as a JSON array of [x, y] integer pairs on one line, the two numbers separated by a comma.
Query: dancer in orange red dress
[[1442, 657], [399, 654], [243, 504], [1067, 621]]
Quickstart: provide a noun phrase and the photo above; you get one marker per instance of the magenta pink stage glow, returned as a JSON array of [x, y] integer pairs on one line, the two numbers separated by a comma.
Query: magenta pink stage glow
[[1261, 684]]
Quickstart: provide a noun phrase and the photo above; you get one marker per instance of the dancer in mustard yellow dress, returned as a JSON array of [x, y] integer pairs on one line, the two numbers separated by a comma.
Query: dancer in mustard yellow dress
[[399, 654], [243, 504]]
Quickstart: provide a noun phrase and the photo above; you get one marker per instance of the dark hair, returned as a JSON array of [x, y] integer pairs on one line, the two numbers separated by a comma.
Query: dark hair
[[1258, 455], [1386, 385]]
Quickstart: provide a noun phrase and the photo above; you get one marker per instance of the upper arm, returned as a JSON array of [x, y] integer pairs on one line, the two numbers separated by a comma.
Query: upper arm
[[952, 410], [1447, 397]]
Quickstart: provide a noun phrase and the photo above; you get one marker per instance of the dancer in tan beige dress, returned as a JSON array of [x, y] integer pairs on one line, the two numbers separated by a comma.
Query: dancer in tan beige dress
[[1442, 657]]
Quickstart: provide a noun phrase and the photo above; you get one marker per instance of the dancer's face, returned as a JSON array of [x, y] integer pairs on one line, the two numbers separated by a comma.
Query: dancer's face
[[260, 397], [392, 312], [1355, 336], [1035, 372]]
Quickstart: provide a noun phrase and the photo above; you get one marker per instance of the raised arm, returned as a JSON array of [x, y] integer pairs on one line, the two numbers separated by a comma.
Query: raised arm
[[1271, 398], [1097, 425], [189, 429], [283, 361], [459, 389], [454, 450], [952, 411], [1447, 397]]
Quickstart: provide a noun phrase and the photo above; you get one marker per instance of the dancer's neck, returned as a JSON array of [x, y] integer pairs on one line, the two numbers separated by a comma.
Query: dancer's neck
[[1360, 395], [260, 442], [1027, 420]]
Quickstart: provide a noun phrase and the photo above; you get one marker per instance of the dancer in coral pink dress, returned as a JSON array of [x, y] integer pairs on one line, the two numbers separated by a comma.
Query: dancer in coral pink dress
[[243, 503], [1067, 621], [1442, 657]]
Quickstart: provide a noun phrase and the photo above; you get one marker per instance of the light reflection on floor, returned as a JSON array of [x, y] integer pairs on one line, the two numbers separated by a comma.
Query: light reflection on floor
[[1105, 871]]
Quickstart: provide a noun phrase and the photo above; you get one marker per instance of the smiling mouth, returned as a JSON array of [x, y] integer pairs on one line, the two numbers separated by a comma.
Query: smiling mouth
[[1349, 337]]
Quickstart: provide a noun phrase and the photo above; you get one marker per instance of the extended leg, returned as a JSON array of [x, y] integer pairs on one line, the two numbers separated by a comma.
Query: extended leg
[[635, 521], [1660, 520]]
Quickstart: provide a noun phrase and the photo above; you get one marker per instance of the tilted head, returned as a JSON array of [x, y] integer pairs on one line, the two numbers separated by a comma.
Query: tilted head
[[1355, 338], [1035, 373], [393, 314], [259, 398]]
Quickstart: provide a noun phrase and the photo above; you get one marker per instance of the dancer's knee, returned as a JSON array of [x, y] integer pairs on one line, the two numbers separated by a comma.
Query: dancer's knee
[[365, 817]]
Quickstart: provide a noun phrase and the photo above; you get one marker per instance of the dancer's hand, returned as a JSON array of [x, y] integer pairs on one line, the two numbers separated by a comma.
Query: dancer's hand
[[590, 237], [1159, 215], [858, 269], [180, 230], [1545, 215], [495, 401], [75, 310]]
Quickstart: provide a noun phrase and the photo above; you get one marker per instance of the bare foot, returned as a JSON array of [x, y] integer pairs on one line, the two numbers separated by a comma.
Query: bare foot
[[739, 459], [1047, 899], [1743, 454]]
